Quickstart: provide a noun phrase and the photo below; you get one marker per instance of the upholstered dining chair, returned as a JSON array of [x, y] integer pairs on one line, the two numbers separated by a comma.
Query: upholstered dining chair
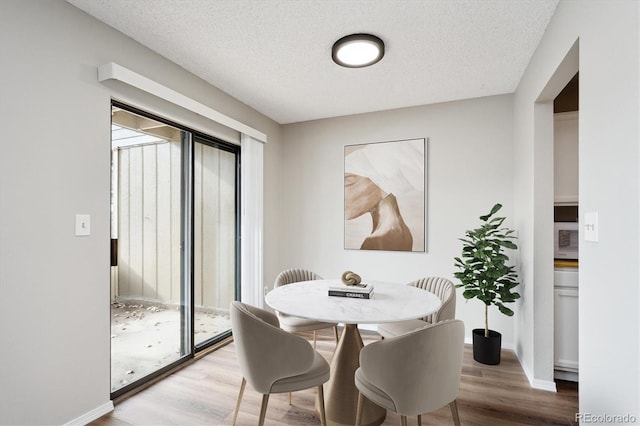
[[414, 373], [273, 360], [441, 287], [294, 324]]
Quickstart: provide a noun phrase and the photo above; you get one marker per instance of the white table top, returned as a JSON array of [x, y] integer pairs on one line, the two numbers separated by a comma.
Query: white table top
[[390, 303]]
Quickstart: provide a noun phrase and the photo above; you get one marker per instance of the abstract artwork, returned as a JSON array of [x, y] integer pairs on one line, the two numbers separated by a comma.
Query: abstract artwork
[[384, 196]]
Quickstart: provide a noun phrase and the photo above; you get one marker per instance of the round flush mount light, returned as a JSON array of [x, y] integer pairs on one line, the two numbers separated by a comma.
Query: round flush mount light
[[357, 50]]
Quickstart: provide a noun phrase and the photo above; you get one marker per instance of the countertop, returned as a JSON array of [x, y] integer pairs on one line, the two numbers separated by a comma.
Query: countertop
[[565, 263]]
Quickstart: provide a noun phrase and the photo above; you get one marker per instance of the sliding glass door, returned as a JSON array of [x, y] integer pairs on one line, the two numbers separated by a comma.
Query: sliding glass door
[[174, 210]]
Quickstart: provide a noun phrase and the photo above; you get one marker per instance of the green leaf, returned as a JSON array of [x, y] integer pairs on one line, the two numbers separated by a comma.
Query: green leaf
[[508, 312], [468, 294], [494, 210], [508, 244]]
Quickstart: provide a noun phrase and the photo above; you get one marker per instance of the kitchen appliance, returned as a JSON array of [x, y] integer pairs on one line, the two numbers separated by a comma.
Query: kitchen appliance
[[565, 240]]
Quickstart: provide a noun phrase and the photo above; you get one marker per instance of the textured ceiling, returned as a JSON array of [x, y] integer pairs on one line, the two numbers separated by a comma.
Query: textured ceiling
[[275, 55]]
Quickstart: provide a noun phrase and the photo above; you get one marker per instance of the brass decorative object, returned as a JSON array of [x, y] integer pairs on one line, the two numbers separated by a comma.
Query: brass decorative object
[[351, 278]]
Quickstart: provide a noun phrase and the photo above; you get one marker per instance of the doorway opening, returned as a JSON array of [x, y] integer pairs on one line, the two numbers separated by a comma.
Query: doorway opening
[[566, 243]]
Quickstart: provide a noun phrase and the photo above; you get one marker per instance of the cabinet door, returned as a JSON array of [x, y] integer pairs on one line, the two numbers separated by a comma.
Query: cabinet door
[[566, 329], [566, 157]]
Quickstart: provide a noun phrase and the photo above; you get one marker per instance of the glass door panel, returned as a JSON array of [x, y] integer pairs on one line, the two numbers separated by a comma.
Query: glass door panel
[[147, 309], [215, 244]]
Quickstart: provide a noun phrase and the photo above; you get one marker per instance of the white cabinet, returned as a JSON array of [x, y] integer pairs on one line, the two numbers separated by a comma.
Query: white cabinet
[[566, 323], [565, 152]]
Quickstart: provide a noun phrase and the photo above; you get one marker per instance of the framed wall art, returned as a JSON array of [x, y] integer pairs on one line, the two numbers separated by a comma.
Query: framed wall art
[[384, 196]]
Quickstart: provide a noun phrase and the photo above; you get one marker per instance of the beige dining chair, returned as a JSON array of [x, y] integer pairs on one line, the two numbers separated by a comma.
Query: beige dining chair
[[441, 287], [415, 373], [273, 360], [294, 324]]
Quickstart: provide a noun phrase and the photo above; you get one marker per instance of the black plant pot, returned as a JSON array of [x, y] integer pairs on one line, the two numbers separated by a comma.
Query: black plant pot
[[487, 349]]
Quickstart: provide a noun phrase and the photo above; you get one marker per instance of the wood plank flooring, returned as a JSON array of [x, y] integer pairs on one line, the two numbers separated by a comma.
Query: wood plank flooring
[[205, 392]]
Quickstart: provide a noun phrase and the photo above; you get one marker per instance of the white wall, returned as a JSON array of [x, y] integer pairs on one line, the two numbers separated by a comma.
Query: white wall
[[468, 169], [607, 37], [55, 116]]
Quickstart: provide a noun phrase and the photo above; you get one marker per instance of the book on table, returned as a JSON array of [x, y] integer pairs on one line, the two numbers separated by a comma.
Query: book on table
[[358, 291]]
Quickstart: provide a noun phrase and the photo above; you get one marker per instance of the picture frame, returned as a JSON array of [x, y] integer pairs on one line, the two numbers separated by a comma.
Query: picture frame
[[384, 196]]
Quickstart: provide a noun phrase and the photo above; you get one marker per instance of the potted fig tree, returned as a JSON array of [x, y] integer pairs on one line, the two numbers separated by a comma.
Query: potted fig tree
[[485, 274]]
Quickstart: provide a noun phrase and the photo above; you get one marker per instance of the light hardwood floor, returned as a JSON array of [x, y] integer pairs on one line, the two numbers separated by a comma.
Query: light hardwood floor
[[205, 392]]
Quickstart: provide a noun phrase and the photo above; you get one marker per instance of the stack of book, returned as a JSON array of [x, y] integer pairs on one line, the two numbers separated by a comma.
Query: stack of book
[[358, 291]]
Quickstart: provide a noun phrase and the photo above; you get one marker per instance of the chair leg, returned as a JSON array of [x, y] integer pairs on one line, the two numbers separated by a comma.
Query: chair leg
[[290, 398], [235, 414], [263, 409], [323, 419], [359, 409], [454, 412], [335, 333], [403, 420], [419, 419], [314, 338]]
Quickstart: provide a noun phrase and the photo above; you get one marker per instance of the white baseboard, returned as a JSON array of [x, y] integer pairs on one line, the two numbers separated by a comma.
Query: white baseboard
[[92, 415], [536, 383], [571, 376], [543, 385]]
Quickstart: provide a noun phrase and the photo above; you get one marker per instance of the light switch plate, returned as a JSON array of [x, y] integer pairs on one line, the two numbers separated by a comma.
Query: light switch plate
[[83, 225], [591, 226]]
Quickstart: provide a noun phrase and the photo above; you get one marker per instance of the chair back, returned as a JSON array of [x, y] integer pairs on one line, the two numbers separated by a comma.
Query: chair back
[[265, 352], [289, 276], [419, 370], [446, 291]]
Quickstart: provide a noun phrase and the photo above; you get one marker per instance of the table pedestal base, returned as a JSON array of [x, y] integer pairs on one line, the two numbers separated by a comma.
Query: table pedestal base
[[341, 394]]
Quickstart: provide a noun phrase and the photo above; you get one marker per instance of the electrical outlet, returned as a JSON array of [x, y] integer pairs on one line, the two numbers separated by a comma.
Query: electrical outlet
[[266, 290]]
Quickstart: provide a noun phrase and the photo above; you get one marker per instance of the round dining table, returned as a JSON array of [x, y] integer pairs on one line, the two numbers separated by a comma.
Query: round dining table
[[389, 302]]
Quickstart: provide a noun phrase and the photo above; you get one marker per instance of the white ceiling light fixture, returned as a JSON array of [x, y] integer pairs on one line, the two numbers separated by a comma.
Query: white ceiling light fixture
[[357, 50]]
